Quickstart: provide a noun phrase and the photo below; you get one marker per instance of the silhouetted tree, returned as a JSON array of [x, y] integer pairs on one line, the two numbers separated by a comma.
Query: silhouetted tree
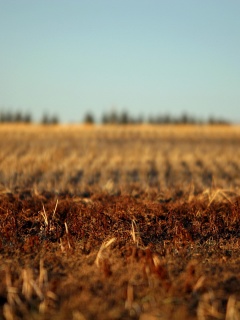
[[27, 118], [54, 120], [18, 117], [47, 120], [111, 118], [89, 118], [124, 118]]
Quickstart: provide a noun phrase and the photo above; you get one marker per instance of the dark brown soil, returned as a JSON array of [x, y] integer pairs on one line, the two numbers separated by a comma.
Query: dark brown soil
[[172, 259]]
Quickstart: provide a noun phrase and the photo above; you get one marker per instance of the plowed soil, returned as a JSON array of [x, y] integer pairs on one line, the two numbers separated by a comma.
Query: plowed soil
[[119, 223]]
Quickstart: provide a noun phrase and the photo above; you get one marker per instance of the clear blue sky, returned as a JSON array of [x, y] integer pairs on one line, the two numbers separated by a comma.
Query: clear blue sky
[[148, 57]]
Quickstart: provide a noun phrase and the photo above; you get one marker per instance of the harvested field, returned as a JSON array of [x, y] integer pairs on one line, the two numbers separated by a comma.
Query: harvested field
[[135, 222]]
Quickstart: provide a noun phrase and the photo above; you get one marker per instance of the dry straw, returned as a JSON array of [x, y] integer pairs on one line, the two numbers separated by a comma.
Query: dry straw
[[103, 247]]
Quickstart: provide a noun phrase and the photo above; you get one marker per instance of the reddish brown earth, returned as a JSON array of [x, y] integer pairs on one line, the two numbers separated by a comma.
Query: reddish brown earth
[[143, 248]]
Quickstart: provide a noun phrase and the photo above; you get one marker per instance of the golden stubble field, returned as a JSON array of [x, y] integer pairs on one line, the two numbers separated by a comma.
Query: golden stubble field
[[131, 222]]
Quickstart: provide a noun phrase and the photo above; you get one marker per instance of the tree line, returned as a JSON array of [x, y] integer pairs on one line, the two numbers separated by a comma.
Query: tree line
[[112, 117], [20, 117], [123, 118]]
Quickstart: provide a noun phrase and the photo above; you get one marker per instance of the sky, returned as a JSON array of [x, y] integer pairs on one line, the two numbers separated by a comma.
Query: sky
[[146, 57]]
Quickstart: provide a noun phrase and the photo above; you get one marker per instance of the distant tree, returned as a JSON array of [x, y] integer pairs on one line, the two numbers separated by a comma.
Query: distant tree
[[150, 120], [167, 119], [18, 117], [104, 119], [139, 120], [184, 119], [110, 118], [113, 118], [161, 119], [214, 121], [47, 120], [54, 120], [124, 118], [88, 118], [9, 117], [2, 117], [27, 118]]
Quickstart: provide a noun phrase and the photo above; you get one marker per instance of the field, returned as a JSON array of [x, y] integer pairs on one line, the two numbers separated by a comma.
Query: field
[[126, 222]]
